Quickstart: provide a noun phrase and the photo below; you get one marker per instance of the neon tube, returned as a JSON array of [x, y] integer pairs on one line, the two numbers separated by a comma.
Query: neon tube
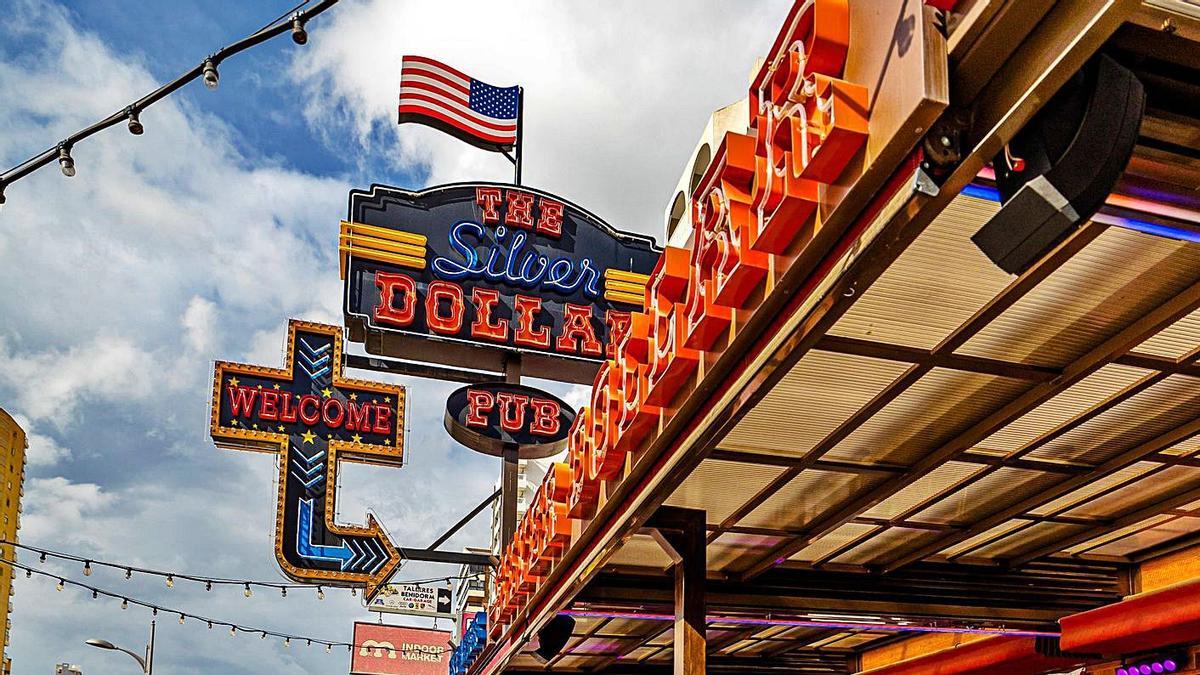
[[807, 623]]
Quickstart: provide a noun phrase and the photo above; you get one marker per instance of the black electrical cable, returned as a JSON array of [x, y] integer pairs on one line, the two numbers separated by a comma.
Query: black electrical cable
[[61, 151]]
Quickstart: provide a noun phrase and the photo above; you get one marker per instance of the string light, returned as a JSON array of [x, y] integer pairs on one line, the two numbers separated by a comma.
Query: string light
[[211, 77], [233, 631], [248, 591], [181, 619], [291, 21], [60, 585], [299, 35], [210, 625], [124, 603], [283, 592], [135, 125], [287, 642], [87, 569], [95, 594], [90, 564], [28, 573], [65, 162]]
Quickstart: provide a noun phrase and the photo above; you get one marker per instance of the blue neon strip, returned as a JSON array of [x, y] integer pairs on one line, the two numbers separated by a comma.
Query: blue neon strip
[[1143, 226]]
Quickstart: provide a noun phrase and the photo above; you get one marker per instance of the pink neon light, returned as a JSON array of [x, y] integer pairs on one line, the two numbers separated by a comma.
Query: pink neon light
[[808, 623]]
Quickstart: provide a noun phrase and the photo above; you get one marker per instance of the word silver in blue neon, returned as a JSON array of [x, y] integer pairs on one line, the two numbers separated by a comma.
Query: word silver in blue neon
[[511, 263]]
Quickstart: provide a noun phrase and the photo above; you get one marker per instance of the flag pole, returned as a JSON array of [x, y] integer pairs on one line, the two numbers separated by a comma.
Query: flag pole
[[520, 132]]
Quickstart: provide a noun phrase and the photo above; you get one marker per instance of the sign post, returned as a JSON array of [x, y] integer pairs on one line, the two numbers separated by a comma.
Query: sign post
[[508, 475]]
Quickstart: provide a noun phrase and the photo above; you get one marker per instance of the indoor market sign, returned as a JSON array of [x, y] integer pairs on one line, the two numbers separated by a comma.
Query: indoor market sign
[[312, 417], [459, 273]]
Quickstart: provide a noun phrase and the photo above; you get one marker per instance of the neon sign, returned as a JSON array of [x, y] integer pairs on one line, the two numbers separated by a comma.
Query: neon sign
[[463, 274], [313, 417], [755, 209], [490, 417]]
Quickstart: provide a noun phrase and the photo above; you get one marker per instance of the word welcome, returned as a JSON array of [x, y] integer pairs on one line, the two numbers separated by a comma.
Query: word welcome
[[309, 409]]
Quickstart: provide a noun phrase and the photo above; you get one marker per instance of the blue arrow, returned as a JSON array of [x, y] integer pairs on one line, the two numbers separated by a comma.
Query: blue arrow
[[306, 549]]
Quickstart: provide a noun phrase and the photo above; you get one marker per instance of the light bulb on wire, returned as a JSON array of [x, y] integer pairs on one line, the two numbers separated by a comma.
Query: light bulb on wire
[[299, 35], [211, 77], [135, 125], [320, 593], [87, 568], [60, 585], [65, 161], [124, 603], [170, 581], [248, 592]]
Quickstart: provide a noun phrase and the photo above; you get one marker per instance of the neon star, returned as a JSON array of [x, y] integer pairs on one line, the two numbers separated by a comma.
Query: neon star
[[356, 438], [353, 396], [326, 392], [259, 386], [281, 427], [275, 386], [233, 381], [387, 399], [254, 425], [233, 422], [308, 436]]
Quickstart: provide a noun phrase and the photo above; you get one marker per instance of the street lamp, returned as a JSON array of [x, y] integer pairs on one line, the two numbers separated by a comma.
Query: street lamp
[[146, 663]]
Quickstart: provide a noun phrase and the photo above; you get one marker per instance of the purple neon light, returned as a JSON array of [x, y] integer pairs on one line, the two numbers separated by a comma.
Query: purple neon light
[[1143, 226], [1164, 666], [808, 623]]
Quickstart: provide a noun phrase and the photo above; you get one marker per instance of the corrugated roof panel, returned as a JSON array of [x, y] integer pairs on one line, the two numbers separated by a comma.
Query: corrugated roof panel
[[719, 487], [732, 552], [1157, 487], [833, 541], [983, 537], [641, 551], [1116, 534], [1062, 408], [817, 395], [889, 544], [929, 413], [1116, 279], [1177, 340], [1162, 533], [941, 478], [1168, 404], [1094, 488], [805, 497], [987, 495], [1026, 539], [934, 287]]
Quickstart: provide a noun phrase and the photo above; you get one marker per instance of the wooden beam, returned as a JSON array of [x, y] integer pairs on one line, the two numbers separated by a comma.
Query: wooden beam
[[680, 532]]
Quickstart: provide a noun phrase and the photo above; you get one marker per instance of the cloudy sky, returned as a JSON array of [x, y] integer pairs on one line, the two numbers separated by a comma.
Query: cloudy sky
[[196, 241]]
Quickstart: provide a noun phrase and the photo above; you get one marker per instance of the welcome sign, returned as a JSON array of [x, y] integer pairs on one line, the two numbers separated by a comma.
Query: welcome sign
[[463, 274]]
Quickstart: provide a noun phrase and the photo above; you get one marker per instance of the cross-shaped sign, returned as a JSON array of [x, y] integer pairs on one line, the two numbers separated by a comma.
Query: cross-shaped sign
[[312, 417]]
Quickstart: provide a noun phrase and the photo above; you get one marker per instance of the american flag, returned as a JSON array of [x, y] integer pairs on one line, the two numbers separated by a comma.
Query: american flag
[[439, 96]]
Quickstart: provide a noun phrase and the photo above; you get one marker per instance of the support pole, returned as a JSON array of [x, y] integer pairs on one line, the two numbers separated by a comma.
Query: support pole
[[680, 533], [508, 476], [520, 133]]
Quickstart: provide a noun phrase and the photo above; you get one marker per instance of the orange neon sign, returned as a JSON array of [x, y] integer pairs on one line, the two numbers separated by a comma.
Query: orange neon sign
[[755, 208]]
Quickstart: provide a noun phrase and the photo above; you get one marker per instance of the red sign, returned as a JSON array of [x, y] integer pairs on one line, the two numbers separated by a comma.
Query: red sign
[[399, 650], [490, 417], [754, 209]]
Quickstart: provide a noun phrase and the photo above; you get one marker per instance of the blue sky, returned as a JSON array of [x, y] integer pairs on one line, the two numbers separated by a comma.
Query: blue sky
[[198, 240]]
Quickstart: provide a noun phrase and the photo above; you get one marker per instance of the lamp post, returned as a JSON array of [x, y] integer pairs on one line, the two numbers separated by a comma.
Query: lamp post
[[146, 663]]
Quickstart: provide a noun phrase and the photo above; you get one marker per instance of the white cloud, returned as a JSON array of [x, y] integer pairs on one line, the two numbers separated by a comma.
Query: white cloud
[[199, 321], [43, 450]]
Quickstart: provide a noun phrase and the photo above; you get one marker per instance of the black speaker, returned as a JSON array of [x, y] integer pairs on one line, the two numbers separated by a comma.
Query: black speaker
[[553, 637], [1059, 169]]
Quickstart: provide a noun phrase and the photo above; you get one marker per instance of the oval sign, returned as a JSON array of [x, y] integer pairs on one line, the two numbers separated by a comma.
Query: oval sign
[[492, 417]]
